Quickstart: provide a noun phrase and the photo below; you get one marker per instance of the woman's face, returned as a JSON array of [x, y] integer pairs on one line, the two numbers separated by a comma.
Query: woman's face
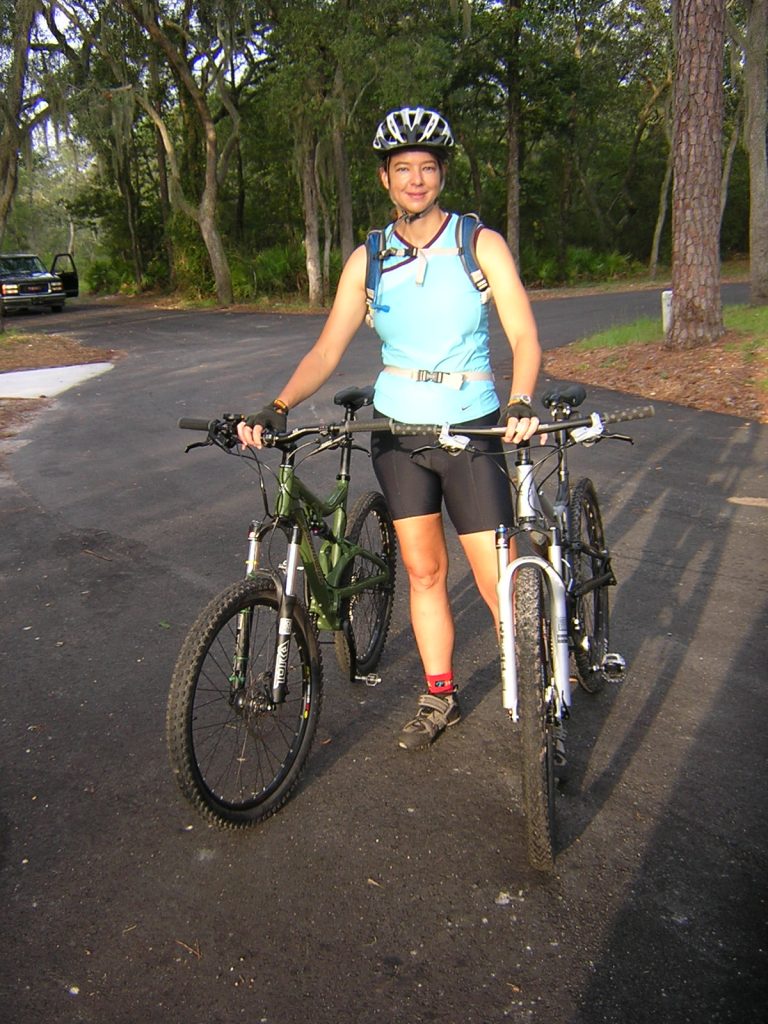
[[413, 178]]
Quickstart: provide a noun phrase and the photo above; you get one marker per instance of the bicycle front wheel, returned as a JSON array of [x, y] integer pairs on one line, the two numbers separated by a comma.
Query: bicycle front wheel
[[237, 756], [537, 722], [591, 576], [369, 611]]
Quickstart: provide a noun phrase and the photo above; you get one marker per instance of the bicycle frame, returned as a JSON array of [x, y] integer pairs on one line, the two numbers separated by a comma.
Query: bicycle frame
[[325, 567]]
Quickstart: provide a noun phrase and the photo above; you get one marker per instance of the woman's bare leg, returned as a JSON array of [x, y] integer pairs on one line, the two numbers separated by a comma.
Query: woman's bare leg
[[425, 556]]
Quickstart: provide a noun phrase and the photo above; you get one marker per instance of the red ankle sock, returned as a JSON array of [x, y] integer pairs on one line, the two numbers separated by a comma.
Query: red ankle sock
[[442, 684]]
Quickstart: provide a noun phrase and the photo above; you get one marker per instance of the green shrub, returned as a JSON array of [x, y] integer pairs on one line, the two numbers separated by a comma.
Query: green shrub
[[106, 277], [191, 266], [281, 269]]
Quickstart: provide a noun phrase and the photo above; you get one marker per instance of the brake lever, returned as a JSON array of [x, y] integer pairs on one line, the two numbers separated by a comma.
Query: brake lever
[[452, 443], [199, 444], [619, 437]]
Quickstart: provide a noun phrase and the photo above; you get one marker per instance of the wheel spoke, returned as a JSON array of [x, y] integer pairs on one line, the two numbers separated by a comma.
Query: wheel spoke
[[237, 756]]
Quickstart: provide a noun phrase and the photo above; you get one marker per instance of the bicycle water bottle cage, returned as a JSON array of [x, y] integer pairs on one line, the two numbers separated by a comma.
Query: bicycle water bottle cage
[[588, 435]]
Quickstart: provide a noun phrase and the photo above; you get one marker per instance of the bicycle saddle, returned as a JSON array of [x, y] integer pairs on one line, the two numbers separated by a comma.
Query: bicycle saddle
[[354, 398], [568, 394]]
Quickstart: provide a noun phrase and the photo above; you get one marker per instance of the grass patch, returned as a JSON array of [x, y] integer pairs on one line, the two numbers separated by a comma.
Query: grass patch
[[646, 330], [751, 321], [748, 319]]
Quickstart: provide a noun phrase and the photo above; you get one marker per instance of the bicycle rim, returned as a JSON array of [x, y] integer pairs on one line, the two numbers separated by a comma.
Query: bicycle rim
[[237, 757]]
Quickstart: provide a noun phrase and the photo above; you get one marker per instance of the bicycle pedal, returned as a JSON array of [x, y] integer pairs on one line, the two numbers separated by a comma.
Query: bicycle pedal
[[370, 680], [613, 666]]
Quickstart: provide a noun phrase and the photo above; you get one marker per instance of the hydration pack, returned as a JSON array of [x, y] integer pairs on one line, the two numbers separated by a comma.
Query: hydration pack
[[467, 226]]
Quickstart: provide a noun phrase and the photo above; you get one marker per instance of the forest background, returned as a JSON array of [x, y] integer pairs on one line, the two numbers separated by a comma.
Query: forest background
[[223, 149]]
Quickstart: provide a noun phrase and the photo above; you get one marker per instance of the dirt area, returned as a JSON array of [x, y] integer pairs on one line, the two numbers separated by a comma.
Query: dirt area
[[718, 378], [37, 352]]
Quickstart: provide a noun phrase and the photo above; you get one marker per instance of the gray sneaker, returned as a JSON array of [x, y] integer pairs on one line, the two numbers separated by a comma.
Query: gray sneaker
[[434, 714]]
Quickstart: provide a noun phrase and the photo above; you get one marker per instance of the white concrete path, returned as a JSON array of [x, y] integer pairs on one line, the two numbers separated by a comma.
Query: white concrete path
[[49, 382]]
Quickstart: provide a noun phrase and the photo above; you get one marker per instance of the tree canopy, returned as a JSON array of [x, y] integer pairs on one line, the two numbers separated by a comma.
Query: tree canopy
[[224, 147]]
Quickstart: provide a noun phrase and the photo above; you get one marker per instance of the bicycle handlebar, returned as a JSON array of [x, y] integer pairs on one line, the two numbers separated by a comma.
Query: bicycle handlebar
[[227, 425], [429, 429]]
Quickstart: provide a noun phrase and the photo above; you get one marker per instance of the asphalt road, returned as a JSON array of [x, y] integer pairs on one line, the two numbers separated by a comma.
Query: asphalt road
[[392, 887]]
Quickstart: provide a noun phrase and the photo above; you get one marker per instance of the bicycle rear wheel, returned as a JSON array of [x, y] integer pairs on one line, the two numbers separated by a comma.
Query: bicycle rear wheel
[[592, 575], [368, 612], [237, 757], [537, 724]]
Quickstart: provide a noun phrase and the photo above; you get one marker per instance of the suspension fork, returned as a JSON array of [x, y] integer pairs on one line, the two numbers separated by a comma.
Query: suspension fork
[[558, 638], [242, 651], [285, 618]]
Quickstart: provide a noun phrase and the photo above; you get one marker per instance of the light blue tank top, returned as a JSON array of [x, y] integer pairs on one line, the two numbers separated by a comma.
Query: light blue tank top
[[433, 318]]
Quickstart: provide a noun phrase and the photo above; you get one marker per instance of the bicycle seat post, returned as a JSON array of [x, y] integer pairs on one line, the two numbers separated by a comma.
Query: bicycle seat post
[[345, 459]]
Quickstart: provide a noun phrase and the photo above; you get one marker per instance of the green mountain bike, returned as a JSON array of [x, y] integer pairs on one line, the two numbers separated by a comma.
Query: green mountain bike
[[247, 688]]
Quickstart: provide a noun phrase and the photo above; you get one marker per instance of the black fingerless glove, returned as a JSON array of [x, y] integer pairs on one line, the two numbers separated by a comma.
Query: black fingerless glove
[[273, 416], [519, 410]]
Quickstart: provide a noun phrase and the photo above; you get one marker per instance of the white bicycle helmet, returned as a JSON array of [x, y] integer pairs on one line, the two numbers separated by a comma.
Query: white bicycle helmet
[[412, 128]]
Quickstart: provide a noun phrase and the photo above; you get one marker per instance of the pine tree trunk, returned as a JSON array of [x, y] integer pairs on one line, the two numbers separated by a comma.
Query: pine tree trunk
[[697, 315], [513, 134], [756, 77]]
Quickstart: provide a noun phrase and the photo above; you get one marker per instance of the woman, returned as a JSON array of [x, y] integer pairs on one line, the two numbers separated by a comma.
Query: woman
[[430, 317]]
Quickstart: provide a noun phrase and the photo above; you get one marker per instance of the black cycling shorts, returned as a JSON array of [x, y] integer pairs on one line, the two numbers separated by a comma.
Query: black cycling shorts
[[417, 478]]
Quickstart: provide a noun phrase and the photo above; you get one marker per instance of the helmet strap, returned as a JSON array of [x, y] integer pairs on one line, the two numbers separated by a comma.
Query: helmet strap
[[408, 218]]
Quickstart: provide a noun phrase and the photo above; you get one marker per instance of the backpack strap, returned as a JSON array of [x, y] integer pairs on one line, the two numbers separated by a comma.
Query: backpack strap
[[376, 251], [374, 244], [467, 228]]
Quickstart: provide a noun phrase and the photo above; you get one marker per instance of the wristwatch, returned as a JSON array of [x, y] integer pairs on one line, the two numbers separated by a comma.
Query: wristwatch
[[525, 399]]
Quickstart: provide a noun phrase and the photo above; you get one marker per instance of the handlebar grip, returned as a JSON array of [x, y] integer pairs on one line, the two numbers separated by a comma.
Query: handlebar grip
[[641, 412], [416, 429], [391, 426], [192, 423]]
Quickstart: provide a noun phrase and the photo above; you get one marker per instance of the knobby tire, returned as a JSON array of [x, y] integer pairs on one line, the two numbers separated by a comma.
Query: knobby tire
[[237, 758], [590, 610], [537, 738], [370, 611]]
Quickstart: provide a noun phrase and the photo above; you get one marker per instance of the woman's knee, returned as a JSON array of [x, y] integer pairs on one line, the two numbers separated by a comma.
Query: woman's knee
[[426, 573]]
